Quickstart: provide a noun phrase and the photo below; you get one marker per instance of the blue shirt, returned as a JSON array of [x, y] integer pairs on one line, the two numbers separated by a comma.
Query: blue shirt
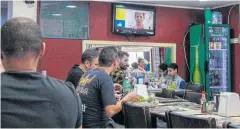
[[179, 82]]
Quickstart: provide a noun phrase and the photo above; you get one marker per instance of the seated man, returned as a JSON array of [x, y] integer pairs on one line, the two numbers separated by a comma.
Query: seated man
[[176, 79], [118, 78], [97, 92], [29, 99], [163, 74], [89, 61]]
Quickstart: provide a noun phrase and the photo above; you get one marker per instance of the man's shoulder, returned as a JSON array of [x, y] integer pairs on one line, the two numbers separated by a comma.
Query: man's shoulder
[[75, 70], [180, 79], [60, 83], [116, 72]]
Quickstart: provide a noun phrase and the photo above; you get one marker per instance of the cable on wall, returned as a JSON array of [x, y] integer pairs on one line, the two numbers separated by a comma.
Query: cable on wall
[[229, 13]]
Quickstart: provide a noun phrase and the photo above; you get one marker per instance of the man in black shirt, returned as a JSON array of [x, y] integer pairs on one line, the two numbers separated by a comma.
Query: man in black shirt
[[29, 99], [96, 89], [89, 61]]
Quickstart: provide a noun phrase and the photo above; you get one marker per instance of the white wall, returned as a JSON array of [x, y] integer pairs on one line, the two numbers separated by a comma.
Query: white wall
[[21, 9]]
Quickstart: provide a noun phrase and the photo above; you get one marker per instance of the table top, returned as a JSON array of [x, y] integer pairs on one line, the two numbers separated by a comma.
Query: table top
[[186, 108]]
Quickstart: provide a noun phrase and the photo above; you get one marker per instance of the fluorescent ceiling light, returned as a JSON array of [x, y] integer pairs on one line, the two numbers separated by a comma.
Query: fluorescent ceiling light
[[57, 14], [71, 6], [203, 0]]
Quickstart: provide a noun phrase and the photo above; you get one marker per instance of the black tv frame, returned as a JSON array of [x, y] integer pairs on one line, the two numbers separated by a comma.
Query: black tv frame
[[138, 7]]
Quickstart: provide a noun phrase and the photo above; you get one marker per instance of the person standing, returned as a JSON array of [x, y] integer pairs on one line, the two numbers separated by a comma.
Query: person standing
[[89, 61], [96, 90], [29, 99]]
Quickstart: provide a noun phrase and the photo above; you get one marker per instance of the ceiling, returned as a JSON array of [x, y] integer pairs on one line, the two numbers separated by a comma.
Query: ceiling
[[194, 4]]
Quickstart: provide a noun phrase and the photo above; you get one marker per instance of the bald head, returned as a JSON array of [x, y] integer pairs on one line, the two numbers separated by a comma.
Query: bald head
[[21, 36]]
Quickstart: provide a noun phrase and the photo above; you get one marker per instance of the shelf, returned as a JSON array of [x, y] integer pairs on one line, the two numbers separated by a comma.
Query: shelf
[[218, 49], [218, 87], [217, 68]]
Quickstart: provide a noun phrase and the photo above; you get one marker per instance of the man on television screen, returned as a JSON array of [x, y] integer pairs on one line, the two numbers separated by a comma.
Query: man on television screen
[[139, 18]]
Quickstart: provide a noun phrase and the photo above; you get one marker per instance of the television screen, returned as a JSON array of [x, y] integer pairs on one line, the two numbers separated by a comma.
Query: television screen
[[133, 20]]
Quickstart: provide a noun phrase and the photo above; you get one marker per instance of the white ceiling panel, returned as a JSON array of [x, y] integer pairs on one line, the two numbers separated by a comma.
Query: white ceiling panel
[[184, 4]]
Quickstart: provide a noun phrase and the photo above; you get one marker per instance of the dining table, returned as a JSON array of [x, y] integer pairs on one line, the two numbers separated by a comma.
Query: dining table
[[160, 105]]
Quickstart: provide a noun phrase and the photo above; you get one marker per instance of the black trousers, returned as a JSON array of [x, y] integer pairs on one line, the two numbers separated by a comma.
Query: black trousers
[[119, 118]]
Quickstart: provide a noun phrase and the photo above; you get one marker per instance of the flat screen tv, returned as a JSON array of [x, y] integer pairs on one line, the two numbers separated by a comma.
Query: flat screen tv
[[134, 20]]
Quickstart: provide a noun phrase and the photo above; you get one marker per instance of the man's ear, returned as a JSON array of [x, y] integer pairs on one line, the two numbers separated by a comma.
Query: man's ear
[[87, 63], [1, 55], [43, 49]]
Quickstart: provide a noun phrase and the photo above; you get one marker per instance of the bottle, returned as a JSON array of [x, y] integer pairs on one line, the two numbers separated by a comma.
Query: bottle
[[126, 86], [197, 72], [208, 16], [44, 73], [203, 102]]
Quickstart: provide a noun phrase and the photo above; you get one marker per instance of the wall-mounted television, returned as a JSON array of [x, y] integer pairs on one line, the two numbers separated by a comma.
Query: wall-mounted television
[[134, 20]]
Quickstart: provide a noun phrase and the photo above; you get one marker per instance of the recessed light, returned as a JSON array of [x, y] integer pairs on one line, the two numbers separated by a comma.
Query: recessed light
[[71, 6], [57, 14]]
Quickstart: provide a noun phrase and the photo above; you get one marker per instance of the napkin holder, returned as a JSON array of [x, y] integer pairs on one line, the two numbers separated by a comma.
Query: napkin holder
[[229, 104], [141, 90]]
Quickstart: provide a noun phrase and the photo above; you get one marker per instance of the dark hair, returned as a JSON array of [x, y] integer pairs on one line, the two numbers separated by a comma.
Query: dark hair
[[107, 56], [90, 54], [20, 36], [121, 54], [134, 65], [163, 66], [140, 59], [173, 66]]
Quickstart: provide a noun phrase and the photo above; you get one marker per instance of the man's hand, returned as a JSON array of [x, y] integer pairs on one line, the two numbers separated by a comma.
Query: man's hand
[[130, 96], [118, 88], [133, 81], [118, 97]]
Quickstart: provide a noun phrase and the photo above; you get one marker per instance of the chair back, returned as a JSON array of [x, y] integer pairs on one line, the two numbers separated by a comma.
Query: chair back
[[195, 87], [230, 125], [176, 120], [165, 93], [193, 97], [136, 116], [178, 94]]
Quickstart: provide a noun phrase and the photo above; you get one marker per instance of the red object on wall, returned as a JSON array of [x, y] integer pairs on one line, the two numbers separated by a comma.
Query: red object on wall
[[171, 25], [235, 53]]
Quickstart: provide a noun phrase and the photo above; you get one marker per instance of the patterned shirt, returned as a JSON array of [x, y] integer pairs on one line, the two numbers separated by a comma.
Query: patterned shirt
[[118, 76]]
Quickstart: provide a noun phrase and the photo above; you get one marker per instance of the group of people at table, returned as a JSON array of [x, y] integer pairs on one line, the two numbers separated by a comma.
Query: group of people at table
[[86, 99]]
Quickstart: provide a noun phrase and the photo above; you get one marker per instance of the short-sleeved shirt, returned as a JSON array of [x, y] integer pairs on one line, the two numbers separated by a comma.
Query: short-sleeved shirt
[[74, 75], [31, 100], [96, 91], [179, 82], [118, 76]]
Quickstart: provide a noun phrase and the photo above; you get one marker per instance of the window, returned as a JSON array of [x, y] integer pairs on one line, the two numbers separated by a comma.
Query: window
[[64, 19], [6, 9]]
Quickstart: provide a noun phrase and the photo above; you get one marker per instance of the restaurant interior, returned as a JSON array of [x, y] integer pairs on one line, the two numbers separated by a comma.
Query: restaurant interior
[[201, 39]]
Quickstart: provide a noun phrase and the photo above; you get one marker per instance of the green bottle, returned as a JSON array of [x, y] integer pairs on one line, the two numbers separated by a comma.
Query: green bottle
[[208, 16], [126, 86], [197, 72]]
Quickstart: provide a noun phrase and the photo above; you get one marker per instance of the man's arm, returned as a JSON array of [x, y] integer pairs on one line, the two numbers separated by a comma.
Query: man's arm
[[109, 101], [114, 109], [80, 113], [182, 85]]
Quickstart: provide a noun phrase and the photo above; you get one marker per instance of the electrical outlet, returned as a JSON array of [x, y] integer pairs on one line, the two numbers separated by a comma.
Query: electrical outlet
[[239, 33], [234, 40]]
